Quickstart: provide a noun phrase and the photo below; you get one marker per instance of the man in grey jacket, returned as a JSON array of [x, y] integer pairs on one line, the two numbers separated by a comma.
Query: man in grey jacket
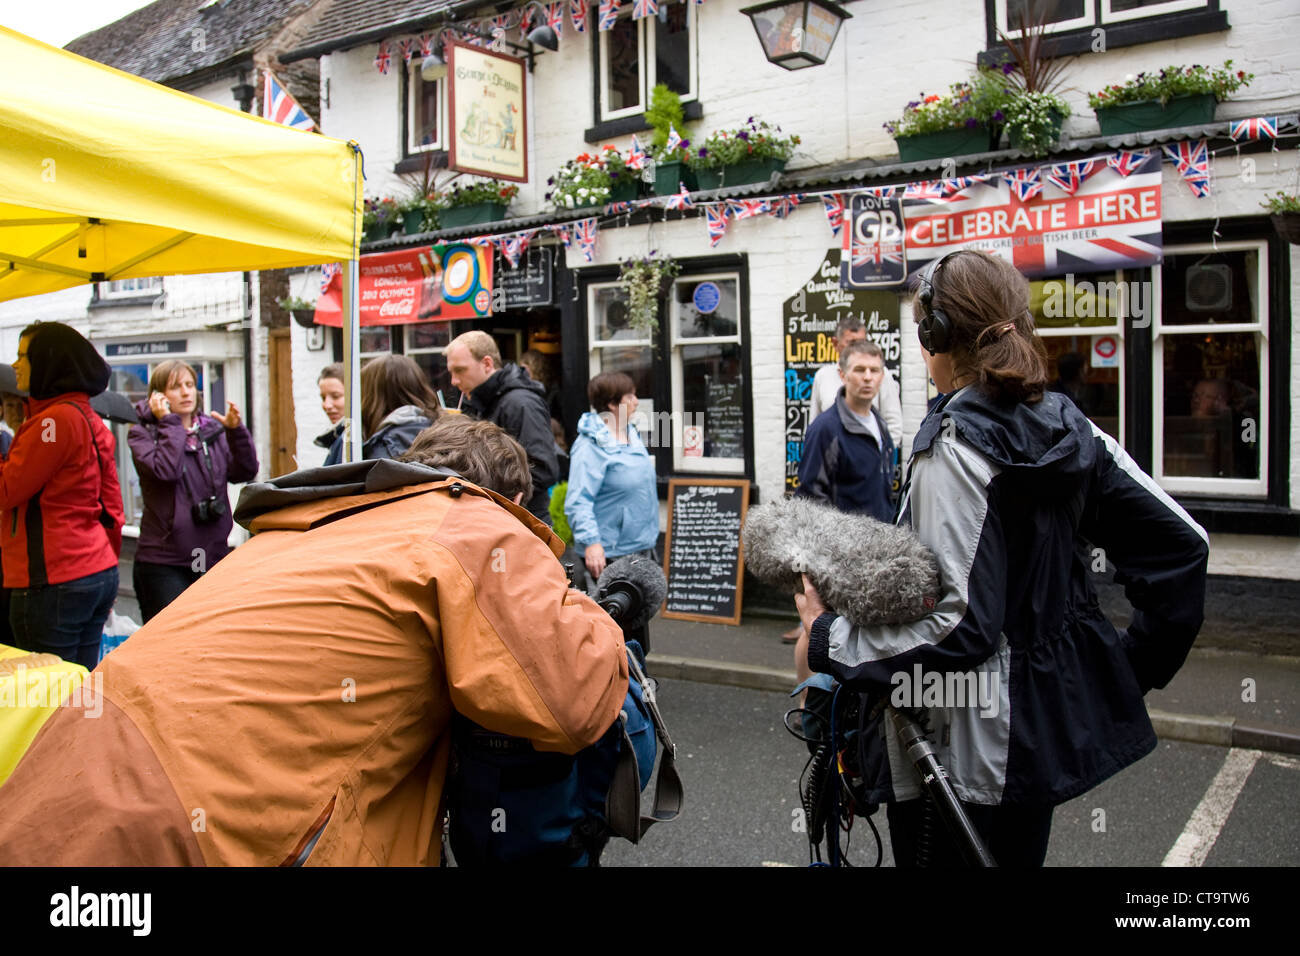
[[505, 395]]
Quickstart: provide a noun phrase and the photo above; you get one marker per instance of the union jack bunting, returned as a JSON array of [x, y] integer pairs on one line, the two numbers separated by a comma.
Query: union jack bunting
[[327, 273], [609, 13], [951, 187], [1256, 128], [555, 17], [681, 200], [578, 15], [636, 157], [715, 218], [881, 192], [526, 20], [1026, 183], [1193, 162], [618, 208], [833, 203], [513, 247], [382, 58], [673, 139], [279, 106], [644, 8], [426, 44], [562, 233], [740, 209], [782, 206], [1125, 162], [925, 189], [404, 48], [1068, 177], [585, 230]]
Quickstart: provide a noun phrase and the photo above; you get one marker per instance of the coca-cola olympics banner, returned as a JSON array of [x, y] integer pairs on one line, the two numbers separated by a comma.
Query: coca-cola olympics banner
[[423, 284]]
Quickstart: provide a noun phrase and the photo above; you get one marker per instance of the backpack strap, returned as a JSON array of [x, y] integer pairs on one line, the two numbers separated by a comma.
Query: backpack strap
[[105, 516], [623, 808]]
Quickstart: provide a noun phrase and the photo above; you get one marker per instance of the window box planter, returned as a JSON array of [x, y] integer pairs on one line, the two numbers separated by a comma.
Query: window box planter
[[1287, 225], [413, 221], [381, 230], [474, 214], [741, 174], [671, 177], [1194, 110], [962, 141]]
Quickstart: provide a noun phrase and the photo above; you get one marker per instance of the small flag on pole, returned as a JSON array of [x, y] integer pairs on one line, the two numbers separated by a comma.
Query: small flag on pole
[[278, 105]]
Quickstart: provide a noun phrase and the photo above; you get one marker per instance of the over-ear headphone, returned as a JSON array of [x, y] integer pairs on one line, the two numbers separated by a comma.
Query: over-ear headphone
[[935, 328]]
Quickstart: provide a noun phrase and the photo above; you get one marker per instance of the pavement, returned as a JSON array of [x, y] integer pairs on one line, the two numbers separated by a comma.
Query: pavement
[[1222, 697]]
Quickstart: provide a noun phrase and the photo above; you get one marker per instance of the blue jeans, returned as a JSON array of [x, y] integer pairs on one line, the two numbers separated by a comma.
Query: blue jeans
[[65, 619]]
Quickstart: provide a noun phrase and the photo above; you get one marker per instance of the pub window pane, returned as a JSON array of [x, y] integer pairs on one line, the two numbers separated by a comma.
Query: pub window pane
[[637, 361], [376, 339], [430, 335], [611, 317], [425, 99], [705, 309], [713, 389], [1210, 288], [1211, 406], [622, 65], [435, 371], [1050, 11], [672, 49], [1071, 371]]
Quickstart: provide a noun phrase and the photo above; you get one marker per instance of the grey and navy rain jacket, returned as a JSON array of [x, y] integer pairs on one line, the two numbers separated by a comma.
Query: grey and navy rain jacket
[[1032, 695]]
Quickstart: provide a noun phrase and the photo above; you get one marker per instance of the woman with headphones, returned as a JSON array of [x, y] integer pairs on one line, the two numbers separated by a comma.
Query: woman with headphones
[[1015, 492]]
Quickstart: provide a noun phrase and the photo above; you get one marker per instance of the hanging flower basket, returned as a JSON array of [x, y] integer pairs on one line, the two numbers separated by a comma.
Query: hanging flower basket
[[1287, 225], [646, 282], [1195, 110]]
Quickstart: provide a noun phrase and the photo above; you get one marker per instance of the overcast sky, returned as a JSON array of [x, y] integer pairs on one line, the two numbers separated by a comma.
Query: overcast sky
[[58, 22]]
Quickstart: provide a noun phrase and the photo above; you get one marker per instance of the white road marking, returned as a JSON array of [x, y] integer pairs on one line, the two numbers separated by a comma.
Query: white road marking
[[1198, 837]]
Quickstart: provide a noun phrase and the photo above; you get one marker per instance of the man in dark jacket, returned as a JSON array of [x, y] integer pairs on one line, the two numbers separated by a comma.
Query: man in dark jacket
[[507, 396], [848, 457]]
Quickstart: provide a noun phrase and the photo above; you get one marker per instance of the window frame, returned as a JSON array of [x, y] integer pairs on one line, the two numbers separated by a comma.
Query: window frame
[[106, 292], [1117, 328], [646, 73], [1098, 13], [1124, 29], [1240, 489], [408, 105]]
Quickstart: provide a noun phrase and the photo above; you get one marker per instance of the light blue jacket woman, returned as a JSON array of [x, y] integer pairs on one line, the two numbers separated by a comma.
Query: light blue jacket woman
[[611, 499]]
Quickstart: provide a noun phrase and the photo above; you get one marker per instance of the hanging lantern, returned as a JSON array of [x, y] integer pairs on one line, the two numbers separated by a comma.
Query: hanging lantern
[[796, 35]]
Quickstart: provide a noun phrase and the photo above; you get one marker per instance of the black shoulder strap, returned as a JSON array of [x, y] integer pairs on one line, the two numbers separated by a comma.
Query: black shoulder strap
[[105, 517]]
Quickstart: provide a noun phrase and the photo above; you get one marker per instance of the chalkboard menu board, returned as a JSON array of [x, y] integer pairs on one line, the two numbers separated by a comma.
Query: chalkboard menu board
[[528, 285], [724, 418], [702, 557]]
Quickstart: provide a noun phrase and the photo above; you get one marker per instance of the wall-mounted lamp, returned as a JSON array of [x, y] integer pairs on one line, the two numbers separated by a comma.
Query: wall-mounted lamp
[[243, 92], [799, 33]]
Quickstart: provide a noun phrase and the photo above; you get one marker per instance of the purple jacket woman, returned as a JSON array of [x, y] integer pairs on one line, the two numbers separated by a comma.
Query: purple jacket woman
[[184, 459]]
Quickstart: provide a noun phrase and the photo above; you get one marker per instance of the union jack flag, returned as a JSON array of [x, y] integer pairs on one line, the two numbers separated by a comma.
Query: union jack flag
[[833, 203], [644, 8], [426, 44], [513, 247], [681, 200], [877, 253], [578, 14], [609, 13], [382, 58], [1068, 177], [881, 192], [782, 206], [748, 208], [715, 217], [1126, 162], [585, 230], [327, 273], [562, 233], [618, 208], [404, 48], [673, 139], [951, 187], [1256, 128], [526, 20], [1193, 162], [926, 189], [636, 156], [555, 17], [1026, 183], [279, 106]]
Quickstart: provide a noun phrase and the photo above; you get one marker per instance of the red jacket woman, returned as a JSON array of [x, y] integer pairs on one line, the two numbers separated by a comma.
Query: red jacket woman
[[60, 502]]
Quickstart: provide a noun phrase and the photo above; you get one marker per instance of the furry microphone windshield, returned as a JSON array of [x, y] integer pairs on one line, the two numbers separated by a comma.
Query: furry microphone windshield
[[865, 570]]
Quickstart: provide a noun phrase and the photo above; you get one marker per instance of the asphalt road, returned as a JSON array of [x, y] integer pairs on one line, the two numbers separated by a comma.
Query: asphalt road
[[739, 767]]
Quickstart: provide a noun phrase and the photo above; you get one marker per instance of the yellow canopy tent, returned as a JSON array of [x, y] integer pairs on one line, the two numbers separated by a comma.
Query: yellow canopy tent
[[105, 175]]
